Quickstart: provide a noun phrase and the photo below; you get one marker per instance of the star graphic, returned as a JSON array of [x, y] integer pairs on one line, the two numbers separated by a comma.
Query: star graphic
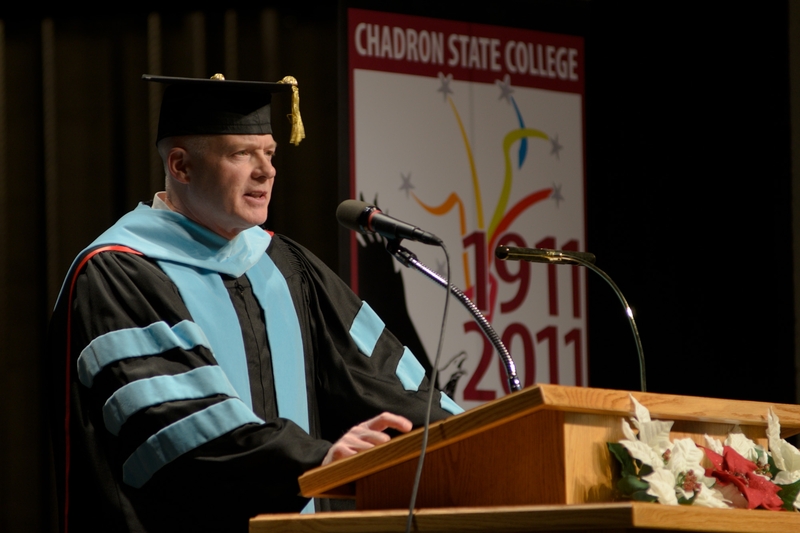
[[556, 194], [406, 186], [445, 88], [505, 88], [556, 147]]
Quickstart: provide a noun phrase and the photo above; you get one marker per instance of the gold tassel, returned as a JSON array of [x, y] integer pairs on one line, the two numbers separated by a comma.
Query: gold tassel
[[298, 131]]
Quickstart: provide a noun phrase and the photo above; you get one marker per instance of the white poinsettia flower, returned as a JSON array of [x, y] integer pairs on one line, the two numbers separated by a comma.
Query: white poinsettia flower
[[654, 433], [686, 456], [686, 493], [746, 447], [714, 444], [774, 439], [641, 412], [662, 486], [642, 452], [785, 456], [786, 478], [685, 464], [711, 497], [627, 431]]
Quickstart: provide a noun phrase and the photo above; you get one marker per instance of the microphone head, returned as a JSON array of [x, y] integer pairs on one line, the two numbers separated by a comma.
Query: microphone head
[[354, 215], [543, 255]]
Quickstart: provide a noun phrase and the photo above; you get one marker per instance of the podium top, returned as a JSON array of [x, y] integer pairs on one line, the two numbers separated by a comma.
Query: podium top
[[626, 516], [322, 480]]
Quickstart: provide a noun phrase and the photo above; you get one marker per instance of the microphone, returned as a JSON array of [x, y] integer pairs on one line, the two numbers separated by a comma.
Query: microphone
[[543, 255], [364, 218]]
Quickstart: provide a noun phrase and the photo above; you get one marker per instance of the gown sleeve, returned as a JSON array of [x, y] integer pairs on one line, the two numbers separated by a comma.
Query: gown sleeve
[[360, 368]]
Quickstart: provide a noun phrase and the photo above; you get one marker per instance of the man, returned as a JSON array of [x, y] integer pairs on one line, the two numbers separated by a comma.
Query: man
[[197, 375]]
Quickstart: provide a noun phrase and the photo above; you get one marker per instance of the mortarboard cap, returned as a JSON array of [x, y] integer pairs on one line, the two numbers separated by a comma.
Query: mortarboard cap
[[198, 106]]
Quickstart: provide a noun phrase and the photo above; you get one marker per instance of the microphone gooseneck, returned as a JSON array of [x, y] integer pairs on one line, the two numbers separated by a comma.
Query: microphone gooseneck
[[543, 255], [408, 259]]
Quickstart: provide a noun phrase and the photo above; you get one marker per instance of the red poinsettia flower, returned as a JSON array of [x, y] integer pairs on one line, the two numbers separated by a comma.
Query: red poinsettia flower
[[732, 468]]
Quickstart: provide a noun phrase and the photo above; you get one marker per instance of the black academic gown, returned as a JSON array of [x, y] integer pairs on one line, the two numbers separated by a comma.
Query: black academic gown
[[252, 469]]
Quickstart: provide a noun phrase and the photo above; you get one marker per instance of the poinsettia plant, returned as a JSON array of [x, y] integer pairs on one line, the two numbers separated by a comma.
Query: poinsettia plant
[[742, 473]]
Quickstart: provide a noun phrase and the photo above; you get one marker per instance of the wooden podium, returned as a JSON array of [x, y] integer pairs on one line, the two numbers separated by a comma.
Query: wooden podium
[[534, 458]]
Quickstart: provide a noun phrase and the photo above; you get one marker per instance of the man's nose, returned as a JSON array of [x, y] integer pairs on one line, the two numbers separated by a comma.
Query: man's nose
[[264, 168]]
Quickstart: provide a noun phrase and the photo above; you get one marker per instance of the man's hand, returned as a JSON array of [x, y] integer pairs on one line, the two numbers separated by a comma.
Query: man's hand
[[366, 435]]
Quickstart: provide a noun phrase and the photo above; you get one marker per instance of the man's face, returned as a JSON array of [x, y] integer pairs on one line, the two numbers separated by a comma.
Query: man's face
[[230, 183]]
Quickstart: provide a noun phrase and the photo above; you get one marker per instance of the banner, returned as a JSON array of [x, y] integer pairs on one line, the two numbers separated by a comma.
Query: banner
[[474, 133]]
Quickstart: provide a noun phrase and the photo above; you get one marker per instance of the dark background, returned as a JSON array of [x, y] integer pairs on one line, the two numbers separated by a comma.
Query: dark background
[[689, 175]]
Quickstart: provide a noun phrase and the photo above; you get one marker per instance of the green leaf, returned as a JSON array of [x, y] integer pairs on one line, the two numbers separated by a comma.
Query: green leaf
[[772, 468], [628, 485], [624, 458], [788, 494], [642, 496], [645, 470]]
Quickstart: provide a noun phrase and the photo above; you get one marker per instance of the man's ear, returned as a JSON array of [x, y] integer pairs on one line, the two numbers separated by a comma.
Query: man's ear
[[178, 164]]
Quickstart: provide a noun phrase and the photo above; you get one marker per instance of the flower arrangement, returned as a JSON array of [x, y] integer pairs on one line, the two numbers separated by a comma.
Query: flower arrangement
[[742, 473]]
